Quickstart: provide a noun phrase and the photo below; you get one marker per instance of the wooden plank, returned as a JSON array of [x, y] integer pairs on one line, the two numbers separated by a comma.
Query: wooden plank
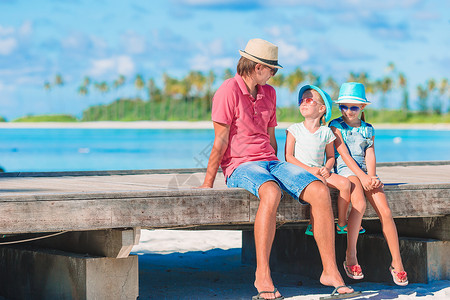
[[46, 204], [185, 208]]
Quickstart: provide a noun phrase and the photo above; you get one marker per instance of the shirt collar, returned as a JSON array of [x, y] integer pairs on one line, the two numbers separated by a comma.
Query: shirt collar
[[243, 87]]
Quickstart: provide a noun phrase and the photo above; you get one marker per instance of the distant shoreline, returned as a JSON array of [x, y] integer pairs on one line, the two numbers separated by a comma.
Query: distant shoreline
[[183, 125]]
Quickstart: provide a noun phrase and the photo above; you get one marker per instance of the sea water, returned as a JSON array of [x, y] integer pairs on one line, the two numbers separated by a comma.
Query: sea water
[[37, 150]]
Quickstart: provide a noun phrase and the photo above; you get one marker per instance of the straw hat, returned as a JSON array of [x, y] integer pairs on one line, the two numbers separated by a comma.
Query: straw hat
[[262, 52], [325, 97], [352, 92]]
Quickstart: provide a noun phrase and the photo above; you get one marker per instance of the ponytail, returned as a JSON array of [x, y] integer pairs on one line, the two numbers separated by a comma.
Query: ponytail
[[323, 120]]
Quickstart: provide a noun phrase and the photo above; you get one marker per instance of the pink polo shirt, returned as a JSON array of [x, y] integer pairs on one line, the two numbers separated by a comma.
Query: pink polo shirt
[[248, 118]]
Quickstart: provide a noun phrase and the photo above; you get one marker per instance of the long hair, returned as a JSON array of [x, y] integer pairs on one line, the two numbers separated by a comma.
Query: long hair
[[363, 117], [245, 67]]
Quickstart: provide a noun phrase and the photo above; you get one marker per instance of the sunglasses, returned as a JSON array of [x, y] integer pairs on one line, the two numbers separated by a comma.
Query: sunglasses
[[308, 101], [352, 108], [273, 70]]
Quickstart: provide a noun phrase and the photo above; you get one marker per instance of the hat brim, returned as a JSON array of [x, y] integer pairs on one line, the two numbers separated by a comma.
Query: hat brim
[[259, 60], [352, 101], [325, 97]]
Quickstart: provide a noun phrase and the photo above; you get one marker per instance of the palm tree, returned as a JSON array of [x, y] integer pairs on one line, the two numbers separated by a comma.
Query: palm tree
[[422, 94], [154, 93], [352, 77], [228, 73], [117, 84], [86, 81], [332, 85], [197, 80], [139, 84], [363, 78], [59, 81], [403, 85], [313, 78], [294, 79], [210, 79], [444, 89], [83, 91], [103, 88], [156, 99], [277, 80], [436, 103], [390, 67], [385, 86], [47, 86]]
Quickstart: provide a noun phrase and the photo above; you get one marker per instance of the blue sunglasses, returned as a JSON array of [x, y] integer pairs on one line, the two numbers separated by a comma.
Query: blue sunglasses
[[352, 108]]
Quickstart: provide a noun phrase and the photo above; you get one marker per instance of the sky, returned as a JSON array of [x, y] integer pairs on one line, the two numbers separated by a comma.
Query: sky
[[104, 39]]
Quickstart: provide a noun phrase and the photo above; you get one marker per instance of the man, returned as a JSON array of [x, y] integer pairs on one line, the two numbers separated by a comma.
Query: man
[[244, 118]]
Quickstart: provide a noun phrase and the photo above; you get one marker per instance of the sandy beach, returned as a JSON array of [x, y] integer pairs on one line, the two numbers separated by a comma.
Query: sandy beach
[[176, 264], [183, 125]]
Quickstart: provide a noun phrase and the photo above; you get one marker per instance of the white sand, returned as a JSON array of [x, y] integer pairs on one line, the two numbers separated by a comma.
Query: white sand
[[182, 125], [177, 264]]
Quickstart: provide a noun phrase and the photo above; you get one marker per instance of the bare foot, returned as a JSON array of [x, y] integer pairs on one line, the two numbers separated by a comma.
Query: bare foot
[[397, 266], [264, 283], [335, 280]]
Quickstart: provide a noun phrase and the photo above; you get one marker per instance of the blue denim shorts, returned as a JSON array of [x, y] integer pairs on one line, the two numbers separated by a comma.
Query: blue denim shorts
[[342, 169], [251, 175]]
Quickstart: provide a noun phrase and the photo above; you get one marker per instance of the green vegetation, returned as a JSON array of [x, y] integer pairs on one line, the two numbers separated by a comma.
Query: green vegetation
[[292, 114], [2, 119], [189, 98], [175, 110], [47, 118]]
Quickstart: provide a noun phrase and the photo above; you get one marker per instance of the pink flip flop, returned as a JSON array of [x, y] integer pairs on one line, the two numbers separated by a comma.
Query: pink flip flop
[[398, 277], [349, 270]]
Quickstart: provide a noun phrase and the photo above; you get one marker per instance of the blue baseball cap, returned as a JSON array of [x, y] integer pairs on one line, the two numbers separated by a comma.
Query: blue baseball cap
[[325, 97]]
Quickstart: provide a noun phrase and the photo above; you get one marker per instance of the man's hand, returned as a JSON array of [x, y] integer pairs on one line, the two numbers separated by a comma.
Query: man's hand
[[204, 186]]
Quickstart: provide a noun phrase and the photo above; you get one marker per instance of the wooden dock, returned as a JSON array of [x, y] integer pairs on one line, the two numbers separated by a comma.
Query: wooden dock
[[101, 213], [48, 202]]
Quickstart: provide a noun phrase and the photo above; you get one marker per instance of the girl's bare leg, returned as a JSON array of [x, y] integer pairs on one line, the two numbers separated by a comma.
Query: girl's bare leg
[[354, 219], [377, 199], [343, 185]]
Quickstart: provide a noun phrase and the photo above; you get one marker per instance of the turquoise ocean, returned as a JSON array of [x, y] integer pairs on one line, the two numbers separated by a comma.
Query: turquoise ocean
[[38, 150]]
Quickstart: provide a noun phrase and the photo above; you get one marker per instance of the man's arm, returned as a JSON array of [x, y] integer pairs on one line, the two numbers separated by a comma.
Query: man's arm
[[273, 140], [221, 132]]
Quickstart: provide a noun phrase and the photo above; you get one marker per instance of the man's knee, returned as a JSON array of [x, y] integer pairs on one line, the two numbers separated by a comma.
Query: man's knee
[[270, 192], [316, 193]]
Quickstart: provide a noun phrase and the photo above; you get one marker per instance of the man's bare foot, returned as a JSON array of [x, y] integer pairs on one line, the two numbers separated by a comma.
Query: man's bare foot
[[335, 280], [266, 284]]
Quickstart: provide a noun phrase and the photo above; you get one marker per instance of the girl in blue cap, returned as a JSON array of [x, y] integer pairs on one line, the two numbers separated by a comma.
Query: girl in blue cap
[[309, 145], [355, 159]]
